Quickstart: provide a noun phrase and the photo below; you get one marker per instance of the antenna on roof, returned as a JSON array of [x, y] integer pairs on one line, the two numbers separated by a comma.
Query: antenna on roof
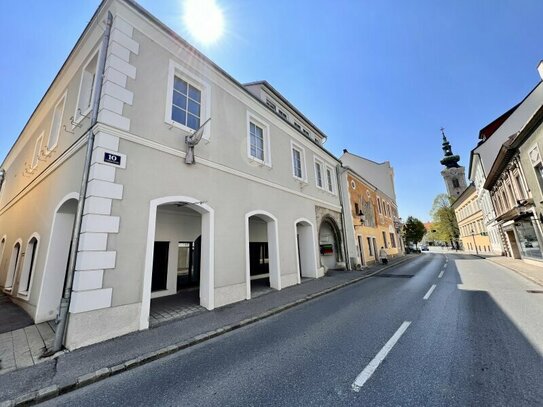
[[192, 141]]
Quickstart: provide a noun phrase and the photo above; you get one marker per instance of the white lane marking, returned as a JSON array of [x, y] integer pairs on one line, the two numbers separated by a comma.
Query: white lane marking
[[441, 274], [429, 293], [376, 361]]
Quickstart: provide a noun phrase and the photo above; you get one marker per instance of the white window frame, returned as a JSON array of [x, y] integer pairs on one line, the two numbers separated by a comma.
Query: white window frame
[[330, 187], [253, 118], [322, 167], [28, 269], [37, 151], [78, 116], [62, 103], [175, 69], [13, 265], [301, 150]]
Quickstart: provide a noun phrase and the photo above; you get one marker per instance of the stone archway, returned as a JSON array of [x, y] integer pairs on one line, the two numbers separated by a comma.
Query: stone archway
[[330, 243]]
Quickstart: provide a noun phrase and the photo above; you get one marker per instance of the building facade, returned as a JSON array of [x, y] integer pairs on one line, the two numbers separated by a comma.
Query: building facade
[[370, 213], [260, 205], [473, 234]]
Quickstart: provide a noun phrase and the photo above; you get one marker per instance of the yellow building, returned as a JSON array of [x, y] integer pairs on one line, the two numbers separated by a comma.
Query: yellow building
[[473, 234], [373, 214]]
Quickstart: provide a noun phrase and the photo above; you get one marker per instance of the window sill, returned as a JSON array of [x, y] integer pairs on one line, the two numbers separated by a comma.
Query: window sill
[[173, 123], [23, 295], [260, 163]]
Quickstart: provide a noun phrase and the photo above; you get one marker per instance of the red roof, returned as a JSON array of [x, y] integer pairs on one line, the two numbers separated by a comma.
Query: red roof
[[490, 128]]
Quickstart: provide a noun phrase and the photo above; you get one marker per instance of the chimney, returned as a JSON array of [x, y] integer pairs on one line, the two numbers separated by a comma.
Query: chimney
[[540, 69], [345, 150]]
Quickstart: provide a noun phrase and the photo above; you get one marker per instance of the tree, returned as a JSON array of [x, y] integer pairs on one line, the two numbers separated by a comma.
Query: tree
[[443, 219], [413, 230]]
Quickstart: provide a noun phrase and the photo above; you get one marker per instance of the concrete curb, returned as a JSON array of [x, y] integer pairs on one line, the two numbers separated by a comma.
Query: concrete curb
[[526, 276], [52, 391]]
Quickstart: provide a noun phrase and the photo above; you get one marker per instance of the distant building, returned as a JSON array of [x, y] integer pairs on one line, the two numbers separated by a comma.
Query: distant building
[[518, 213], [372, 215], [453, 174], [473, 234]]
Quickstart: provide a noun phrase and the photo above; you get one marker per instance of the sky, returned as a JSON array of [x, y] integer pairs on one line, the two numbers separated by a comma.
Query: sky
[[380, 78]]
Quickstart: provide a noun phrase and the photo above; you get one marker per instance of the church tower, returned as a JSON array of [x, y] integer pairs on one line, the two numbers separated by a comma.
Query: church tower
[[453, 174]]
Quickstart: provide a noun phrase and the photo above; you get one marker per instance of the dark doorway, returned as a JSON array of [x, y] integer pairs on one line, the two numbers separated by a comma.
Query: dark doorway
[[188, 264], [160, 266], [299, 256], [258, 258]]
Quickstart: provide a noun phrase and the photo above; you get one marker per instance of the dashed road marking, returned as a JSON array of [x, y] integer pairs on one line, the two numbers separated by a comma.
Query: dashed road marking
[[376, 361], [441, 274], [429, 293]]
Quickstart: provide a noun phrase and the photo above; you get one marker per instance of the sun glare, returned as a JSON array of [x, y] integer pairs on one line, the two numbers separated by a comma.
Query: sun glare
[[204, 20]]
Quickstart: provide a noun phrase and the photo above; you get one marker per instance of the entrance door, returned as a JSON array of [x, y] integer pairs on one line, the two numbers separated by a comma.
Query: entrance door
[[375, 250], [160, 266], [361, 250], [196, 260], [514, 246], [258, 258]]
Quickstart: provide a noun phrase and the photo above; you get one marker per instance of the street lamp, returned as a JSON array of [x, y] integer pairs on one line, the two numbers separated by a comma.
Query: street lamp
[[473, 237]]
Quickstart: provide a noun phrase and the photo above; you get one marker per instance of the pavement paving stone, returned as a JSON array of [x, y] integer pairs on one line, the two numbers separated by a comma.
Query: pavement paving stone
[[528, 270]]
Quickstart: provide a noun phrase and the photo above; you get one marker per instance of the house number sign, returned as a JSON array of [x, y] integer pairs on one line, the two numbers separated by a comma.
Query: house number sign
[[112, 158]]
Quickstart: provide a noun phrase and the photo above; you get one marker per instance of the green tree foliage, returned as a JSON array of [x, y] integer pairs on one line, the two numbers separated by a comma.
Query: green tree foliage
[[443, 219], [413, 230]]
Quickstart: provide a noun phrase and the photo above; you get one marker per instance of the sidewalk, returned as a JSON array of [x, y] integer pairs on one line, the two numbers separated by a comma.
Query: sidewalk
[[529, 271], [83, 366]]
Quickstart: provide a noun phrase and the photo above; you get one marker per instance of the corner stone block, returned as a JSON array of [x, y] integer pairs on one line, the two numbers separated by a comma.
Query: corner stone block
[[106, 141], [108, 102], [114, 119], [104, 189], [118, 92], [100, 223], [83, 301], [125, 41], [88, 280], [97, 206], [122, 25], [102, 172], [114, 61], [93, 242], [95, 260]]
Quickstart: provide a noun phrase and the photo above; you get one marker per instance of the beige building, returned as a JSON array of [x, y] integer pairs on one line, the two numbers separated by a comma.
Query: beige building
[[473, 234], [259, 207]]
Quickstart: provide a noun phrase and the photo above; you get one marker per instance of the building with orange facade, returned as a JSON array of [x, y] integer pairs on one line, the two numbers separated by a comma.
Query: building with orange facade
[[373, 218]]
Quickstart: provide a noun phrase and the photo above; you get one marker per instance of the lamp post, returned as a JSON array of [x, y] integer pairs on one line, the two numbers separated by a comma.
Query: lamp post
[[473, 237], [361, 240]]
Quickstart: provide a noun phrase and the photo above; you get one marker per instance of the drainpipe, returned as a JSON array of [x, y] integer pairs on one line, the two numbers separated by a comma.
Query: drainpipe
[[339, 172], [62, 318]]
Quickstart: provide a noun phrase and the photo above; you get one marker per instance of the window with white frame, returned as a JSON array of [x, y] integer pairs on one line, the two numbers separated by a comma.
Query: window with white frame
[[13, 265], [37, 151], [329, 179], [258, 140], [86, 88], [298, 162], [28, 266], [318, 173], [56, 122], [186, 103]]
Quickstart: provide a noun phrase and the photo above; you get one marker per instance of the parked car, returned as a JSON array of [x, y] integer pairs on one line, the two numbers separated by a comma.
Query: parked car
[[424, 248]]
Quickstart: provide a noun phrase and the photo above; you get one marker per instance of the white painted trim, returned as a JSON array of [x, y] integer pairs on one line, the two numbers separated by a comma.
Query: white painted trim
[[317, 160], [78, 117], [177, 153], [66, 198], [48, 170], [198, 81], [207, 274], [37, 151], [26, 294], [49, 148], [15, 264], [273, 251], [314, 241], [301, 150], [260, 122], [332, 180]]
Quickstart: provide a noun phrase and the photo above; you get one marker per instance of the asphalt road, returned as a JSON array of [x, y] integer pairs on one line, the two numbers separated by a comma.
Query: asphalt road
[[476, 338]]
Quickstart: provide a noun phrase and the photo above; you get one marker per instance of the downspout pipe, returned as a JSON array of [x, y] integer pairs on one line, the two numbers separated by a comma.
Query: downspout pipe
[[339, 174], [62, 318]]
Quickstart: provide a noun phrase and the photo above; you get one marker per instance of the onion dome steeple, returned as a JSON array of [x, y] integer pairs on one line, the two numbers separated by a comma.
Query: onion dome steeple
[[449, 160]]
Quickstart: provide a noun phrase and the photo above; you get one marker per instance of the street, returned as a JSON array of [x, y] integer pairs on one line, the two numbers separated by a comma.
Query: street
[[441, 330]]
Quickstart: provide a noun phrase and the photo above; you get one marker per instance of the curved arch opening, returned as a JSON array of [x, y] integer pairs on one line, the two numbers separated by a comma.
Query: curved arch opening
[[305, 249], [330, 243]]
